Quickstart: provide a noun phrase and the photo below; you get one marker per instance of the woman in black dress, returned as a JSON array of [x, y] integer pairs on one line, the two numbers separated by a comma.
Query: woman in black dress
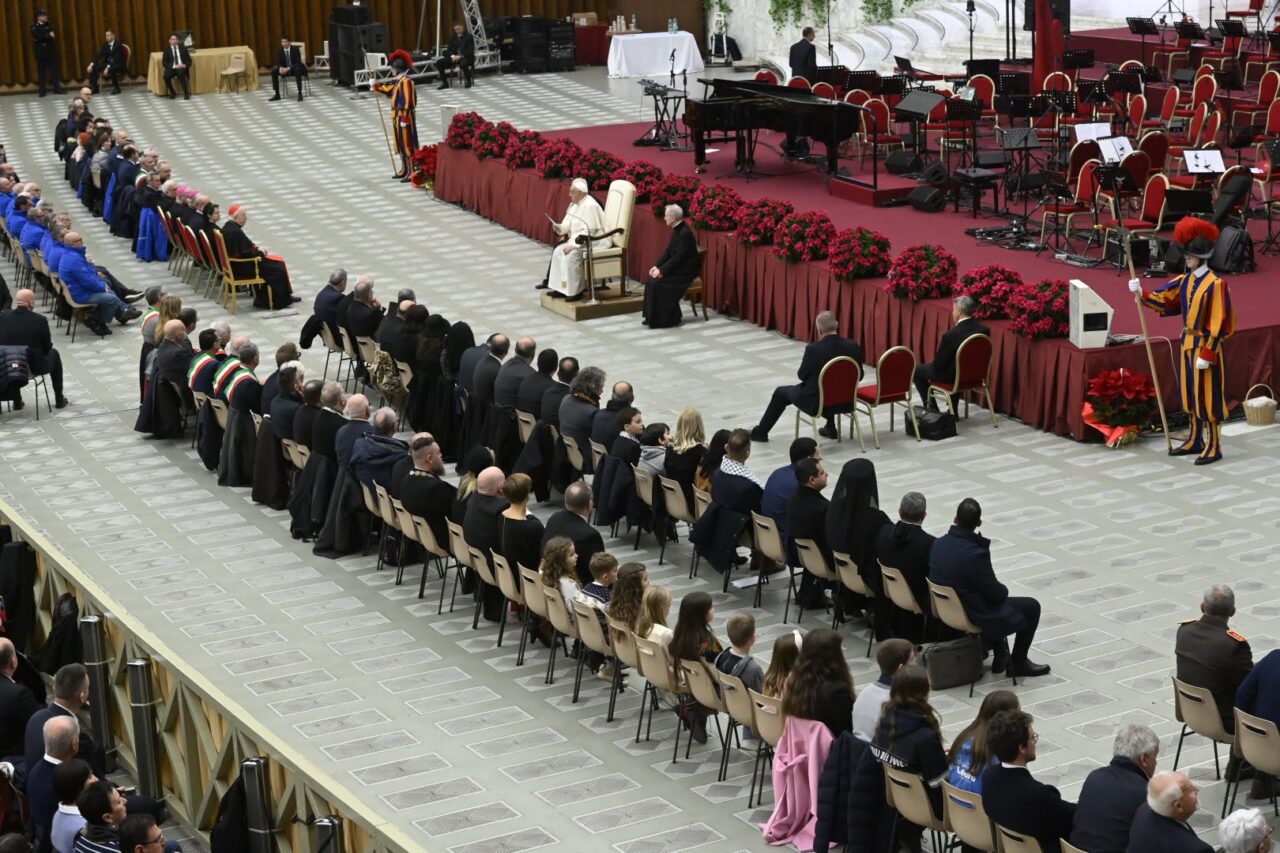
[[854, 520], [427, 365], [687, 449], [444, 420], [519, 533]]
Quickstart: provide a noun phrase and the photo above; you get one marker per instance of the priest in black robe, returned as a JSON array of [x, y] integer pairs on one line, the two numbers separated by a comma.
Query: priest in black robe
[[671, 276]]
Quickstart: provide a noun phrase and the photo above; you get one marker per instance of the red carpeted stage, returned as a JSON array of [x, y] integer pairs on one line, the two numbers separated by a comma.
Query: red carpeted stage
[[1039, 382]]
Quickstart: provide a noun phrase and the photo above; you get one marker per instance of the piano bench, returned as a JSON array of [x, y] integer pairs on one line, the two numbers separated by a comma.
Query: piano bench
[[695, 297]]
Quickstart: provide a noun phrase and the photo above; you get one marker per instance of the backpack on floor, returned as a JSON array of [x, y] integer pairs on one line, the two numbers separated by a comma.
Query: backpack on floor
[[953, 662], [15, 370], [934, 426], [1233, 253]]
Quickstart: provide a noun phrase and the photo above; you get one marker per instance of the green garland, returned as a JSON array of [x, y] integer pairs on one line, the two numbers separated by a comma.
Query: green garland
[[795, 12], [879, 11]]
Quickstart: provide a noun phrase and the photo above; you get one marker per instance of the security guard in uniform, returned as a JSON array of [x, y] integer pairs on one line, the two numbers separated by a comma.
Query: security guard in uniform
[[1211, 655], [46, 53]]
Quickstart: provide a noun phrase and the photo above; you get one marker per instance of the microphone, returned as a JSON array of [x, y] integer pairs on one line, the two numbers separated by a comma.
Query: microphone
[[673, 54]]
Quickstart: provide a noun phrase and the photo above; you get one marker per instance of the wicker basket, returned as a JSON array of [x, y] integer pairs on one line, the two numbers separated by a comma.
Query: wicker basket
[[1260, 415]]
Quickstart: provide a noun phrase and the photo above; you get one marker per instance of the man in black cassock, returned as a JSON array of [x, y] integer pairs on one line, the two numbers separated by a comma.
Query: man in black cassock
[[671, 276]]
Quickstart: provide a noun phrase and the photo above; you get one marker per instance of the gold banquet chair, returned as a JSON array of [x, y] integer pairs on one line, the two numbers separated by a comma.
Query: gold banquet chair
[[619, 208]]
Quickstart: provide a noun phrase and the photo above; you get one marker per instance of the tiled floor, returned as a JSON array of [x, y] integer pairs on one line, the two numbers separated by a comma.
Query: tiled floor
[[427, 720]]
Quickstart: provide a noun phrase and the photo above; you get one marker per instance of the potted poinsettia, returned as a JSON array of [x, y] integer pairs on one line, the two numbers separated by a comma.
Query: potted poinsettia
[[760, 220], [424, 166], [715, 207], [859, 253], [644, 175], [522, 149], [491, 139], [1041, 309], [804, 236], [1120, 404], [990, 286], [462, 130], [597, 168], [922, 272], [558, 158]]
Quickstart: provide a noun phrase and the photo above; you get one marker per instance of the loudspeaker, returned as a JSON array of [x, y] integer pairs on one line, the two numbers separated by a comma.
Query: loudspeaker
[[992, 160], [935, 174], [928, 199], [1140, 248], [1061, 12], [902, 162], [373, 38]]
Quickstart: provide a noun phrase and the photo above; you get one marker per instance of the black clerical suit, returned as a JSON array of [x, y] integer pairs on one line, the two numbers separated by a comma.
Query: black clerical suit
[[943, 366], [289, 58], [425, 495], [805, 395], [110, 60], [807, 519], [304, 423], [551, 400], [272, 271], [467, 363], [587, 541], [679, 267], [362, 321], [506, 386], [480, 529], [24, 327], [173, 56], [324, 435], [462, 45], [284, 410], [532, 389], [483, 383], [804, 60], [17, 705]]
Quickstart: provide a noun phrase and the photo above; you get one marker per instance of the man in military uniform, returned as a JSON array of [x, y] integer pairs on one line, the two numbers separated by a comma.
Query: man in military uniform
[[46, 53], [1211, 655]]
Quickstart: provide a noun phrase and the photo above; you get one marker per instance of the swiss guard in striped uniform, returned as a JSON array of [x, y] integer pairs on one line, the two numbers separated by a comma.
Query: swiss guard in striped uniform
[[404, 104], [1204, 301]]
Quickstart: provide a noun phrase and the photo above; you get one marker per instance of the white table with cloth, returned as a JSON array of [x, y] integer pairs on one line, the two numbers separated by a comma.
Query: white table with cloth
[[649, 54]]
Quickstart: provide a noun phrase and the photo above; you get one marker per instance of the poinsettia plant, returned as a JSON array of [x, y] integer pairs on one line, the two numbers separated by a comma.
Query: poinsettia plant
[[424, 165], [1120, 404], [675, 189], [715, 207], [646, 177], [859, 253], [558, 158], [922, 272], [1040, 309], [990, 287], [462, 130], [522, 149], [491, 139], [760, 219], [803, 236], [597, 168]]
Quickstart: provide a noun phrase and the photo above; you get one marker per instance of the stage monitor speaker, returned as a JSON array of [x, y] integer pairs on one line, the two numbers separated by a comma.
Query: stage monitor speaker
[[992, 160], [1140, 248], [935, 174], [373, 38], [902, 162], [1061, 12], [928, 199], [1090, 317]]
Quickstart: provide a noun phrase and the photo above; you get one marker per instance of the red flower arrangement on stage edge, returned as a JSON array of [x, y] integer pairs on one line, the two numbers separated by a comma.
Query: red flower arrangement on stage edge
[[1040, 310], [491, 139], [424, 165], [558, 158], [759, 220], [462, 130], [643, 174], [522, 149], [990, 287], [674, 189], [859, 253], [1120, 404], [803, 237], [597, 168], [923, 272], [715, 207]]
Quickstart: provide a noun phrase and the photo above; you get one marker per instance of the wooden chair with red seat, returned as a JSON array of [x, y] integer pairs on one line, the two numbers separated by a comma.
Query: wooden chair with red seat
[[1203, 91], [212, 266], [824, 90], [1155, 144], [985, 91], [1137, 115], [1190, 134], [936, 121], [973, 373], [1241, 205], [1057, 81], [799, 82], [875, 129], [1229, 53], [1082, 152], [1167, 108], [1137, 166], [1262, 61], [1149, 220], [1252, 10], [895, 375], [1265, 179], [1268, 88], [764, 75], [837, 386], [1080, 204], [1179, 52], [238, 274], [1271, 128], [1208, 139], [198, 261], [857, 97]]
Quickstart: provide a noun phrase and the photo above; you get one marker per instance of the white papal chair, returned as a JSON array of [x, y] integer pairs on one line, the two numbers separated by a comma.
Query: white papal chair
[[619, 208]]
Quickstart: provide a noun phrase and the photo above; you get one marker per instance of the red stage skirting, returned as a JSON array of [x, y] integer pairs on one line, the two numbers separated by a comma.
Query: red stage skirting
[[1039, 382]]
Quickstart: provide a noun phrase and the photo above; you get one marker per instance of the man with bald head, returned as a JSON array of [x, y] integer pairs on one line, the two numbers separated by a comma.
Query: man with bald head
[[376, 454], [24, 327], [364, 314], [173, 355], [277, 293], [87, 287], [604, 424], [357, 415], [506, 387], [480, 528], [486, 375], [1161, 822], [17, 704]]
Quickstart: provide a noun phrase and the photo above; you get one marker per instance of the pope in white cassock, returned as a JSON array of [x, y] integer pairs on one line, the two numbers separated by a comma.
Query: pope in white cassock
[[584, 216]]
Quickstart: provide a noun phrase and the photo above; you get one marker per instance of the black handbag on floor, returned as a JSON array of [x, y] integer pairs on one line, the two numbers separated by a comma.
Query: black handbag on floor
[[934, 426], [953, 662]]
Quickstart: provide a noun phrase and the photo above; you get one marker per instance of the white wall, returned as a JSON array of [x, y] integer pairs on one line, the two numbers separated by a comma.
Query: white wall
[[751, 27]]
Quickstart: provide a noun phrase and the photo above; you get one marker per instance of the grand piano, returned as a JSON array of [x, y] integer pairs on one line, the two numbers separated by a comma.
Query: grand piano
[[740, 109]]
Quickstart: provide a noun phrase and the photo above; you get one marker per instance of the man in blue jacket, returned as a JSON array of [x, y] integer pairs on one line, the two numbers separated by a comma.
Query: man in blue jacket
[[1112, 794], [962, 560], [17, 218], [805, 395], [1259, 695], [86, 286]]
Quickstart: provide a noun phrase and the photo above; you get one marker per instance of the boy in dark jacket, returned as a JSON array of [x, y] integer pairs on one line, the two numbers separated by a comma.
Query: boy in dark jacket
[[737, 659]]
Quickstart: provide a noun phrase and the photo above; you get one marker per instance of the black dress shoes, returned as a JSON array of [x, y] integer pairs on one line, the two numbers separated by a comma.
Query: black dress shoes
[[443, 86], [758, 434], [543, 286], [828, 432], [1027, 669], [274, 97]]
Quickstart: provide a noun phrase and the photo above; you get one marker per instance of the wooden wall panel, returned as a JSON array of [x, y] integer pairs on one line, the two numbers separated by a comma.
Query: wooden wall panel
[[144, 25]]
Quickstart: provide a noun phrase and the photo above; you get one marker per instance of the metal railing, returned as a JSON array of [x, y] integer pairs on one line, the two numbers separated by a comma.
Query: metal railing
[[191, 736]]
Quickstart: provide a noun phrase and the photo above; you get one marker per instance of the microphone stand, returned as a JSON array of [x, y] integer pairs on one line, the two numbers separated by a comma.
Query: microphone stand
[[672, 84], [970, 9]]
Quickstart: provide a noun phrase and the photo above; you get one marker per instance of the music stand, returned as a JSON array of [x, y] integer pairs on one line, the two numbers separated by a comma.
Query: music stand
[[1129, 82], [1242, 138], [1074, 60], [1143, 27], [988, 67], [1013, 83], [1190, 31], [868, 81], [1273, 39], [1020, 141], [1113, 178], [915, 107], [1273, 158], [1055, 187], [1231, 28], [896, 85], [960, 111]]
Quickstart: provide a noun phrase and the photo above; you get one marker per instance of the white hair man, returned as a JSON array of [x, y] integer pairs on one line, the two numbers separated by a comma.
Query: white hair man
[[1160, 823], [671, 276], [1245, 831], [582, 218], [1112, 794], [804, 396]]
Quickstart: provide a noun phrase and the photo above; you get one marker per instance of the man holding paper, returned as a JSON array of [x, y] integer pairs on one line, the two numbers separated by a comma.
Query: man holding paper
[[583, 217]]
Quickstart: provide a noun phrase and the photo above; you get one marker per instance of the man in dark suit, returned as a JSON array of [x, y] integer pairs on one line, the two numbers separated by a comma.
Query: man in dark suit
[[807, 519], [572, 523], [905, 546], [173, 357], [70, 694], [17, 704], [671, 276], [486, 373], [60, 741], [534, 386], [804, 57], [1259, 695], [285, 353], [304, 421], [177, 63], [286, 403], [468, 362], [326, 304], [506, 385], [1211, 655], [604, 424], [422, 492], [553, 396], [357, 415], [1112, 794], [324, 434], [1160, 823], [460, 52], [288, 64], [943, 366], [1011, 797], [734, 486], [804, 396], [364, 314], [110, 60], [24, 327], [962, 560], [480, 529]]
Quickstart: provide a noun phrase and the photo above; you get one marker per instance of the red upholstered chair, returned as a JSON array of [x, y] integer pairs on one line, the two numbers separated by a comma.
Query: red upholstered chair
[[764, 75], [1137, 166], [1081, 203], [799, 82], [1252, 10], [1082, 152], [973, 373], [1208, 138], [1238, 209], [985, 91], [1266, 181], [1155, 144], [1137, 114], [1167, 108], [1271, 129], [1203, 91], [1150, 219], [837, 386], [1229, 52], [895, 373], [1263, 61], [1057, 81], [857, 96], [1179, 53], [875, 128], [824, 90], [1268, 88]]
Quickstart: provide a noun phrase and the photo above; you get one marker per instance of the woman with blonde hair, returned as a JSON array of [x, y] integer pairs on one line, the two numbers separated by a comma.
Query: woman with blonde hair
[[626, 600], [687, 448], [651, 624], [170, 308], [786, 651]]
